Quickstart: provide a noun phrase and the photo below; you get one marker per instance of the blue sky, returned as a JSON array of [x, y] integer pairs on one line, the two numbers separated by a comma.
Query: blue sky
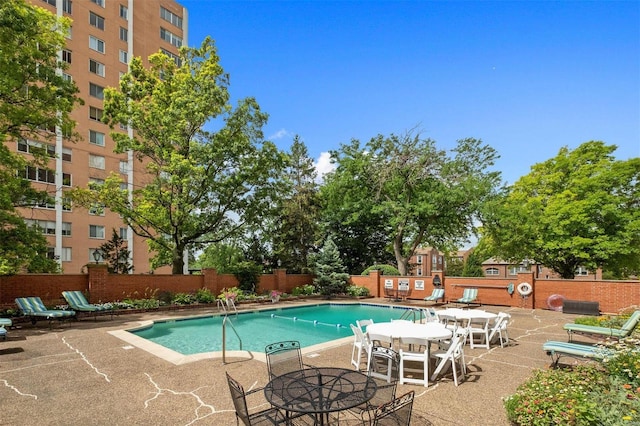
[[526, 77]]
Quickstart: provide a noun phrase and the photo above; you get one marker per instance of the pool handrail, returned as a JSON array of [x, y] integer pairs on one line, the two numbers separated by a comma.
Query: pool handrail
[[224, 337]]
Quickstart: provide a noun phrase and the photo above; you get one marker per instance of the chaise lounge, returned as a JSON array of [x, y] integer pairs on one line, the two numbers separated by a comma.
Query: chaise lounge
[[556, 350], [34, 308], [591, 330], [437, 294], [469, 296], [79, 303]]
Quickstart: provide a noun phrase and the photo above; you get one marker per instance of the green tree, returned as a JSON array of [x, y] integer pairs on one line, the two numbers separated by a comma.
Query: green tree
[[455, 266], [199, 186], [580, 208], [223, 257], [331, 278], [361, 233], [415, 193], [116, 254], [297, 220], [34, 99]]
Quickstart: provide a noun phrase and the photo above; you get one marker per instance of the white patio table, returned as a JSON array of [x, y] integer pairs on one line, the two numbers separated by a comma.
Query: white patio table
[[467, 314]]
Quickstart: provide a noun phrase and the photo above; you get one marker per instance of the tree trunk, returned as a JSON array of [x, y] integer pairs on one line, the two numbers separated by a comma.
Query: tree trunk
[[178, 263]]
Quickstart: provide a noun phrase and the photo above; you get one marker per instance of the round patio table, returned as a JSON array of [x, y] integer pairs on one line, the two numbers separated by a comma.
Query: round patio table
[[398, 329], [467, 314], [320, 391]]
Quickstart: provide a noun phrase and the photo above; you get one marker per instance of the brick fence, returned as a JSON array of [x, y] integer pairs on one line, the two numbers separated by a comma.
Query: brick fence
[[100, 286]]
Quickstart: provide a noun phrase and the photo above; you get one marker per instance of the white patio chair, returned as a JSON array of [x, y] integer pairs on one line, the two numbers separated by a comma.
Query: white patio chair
[[362, 324], [453, 356], [418, 352], [430, 315], [499, 329], [479, 332], [361, 346], [383, 363], [380, 339]]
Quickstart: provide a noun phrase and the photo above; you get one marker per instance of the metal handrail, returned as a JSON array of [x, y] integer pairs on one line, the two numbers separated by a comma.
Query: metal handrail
[[224, 337], [408, 313]]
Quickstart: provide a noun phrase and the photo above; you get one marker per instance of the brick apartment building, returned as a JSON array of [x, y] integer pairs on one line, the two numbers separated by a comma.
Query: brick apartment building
[[105, 35]]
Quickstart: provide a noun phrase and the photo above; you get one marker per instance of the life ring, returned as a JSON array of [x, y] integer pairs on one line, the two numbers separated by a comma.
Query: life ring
[[555, 302], [525, 289]]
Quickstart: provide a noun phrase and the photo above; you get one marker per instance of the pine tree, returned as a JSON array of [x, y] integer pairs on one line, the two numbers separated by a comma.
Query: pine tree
[[331, 278], [116, 254]]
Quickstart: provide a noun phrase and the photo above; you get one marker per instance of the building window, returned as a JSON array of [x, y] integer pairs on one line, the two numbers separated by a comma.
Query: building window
[[65, 254], [96, 21], [96, 161], [124, 167], [67, 77], [96, 91], [124, 186], [419, 272], [96, 44], [124, 34], [419, 259], [96, 138], [46, 227], [124, 57], [66, 229], [66, 55], [95, 114], [582, 271], [51, 2], [173, 56], [96, 67], [124, 233], [98, 2], [96, 181], [492, 271], [67, 6], [96, 231], [124, 12], [96, 209], [70, 33], [169, 37], [170, 17]]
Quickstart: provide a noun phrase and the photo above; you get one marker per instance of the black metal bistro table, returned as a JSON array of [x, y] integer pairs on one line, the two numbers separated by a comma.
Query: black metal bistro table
[[320, 391]]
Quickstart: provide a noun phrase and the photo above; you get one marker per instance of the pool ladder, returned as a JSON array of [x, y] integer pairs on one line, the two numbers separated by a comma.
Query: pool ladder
[[224, 337], [413, 315], [227, 304]]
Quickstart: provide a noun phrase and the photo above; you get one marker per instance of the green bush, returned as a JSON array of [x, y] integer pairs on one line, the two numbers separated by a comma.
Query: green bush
[[384, 270], [183, 299], [248, 275], [356, 291], [204, 295], [304, 290]]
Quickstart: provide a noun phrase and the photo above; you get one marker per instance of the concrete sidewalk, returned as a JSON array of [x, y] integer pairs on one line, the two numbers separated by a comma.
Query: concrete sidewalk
[[79, 373]]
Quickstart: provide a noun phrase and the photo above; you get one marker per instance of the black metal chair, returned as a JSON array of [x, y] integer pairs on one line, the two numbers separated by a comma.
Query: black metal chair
[[396, 412], [283, 357], [270, 416]]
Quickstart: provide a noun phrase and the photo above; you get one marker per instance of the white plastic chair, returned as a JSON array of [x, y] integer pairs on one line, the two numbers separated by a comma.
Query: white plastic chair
[[361, 346], [500, 329], [414, 355], [383, 363], [362, 324], [479, 328], [454, 355]]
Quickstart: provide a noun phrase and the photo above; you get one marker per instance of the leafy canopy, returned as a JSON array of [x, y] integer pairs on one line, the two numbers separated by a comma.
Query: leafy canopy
[[580, 208], [34, 99], [196, 186]]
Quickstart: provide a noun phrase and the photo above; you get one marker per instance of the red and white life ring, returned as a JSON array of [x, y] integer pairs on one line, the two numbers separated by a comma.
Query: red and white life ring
[[524, 289], [555, 302]]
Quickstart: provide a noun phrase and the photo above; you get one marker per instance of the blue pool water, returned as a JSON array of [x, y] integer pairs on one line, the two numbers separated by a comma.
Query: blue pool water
[[310, 325]]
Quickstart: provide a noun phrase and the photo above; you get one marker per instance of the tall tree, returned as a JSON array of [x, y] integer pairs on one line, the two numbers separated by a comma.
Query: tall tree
[[34, 99], [361, 234], [297, 223], [580, 208], [422, 195], [331, 277], [199, 186]]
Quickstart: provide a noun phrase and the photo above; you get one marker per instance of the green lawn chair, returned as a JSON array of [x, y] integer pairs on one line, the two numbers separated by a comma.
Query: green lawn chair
[[33, 308], [79, 303]]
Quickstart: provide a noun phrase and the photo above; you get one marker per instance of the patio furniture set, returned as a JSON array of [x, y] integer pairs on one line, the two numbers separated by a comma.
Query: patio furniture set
[[301, 394]]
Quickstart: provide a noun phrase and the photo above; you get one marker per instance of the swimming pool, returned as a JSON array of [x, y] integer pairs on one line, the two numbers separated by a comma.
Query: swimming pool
[[310, 325]]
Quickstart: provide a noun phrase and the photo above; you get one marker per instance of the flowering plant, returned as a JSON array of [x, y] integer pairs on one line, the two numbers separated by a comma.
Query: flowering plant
[[230, 295], [275, 294]]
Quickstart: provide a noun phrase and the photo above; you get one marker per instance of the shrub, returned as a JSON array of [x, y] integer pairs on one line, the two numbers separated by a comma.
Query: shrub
[[625, 362], [183, 299], [248, 275], [204, 295], [356, 291], [384, 270], [304, 290]]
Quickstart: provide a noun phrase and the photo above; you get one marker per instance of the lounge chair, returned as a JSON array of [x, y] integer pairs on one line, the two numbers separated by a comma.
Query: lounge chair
[[4, 323], [79, 303], [34, 308], [556, 350], [468, 296], [618, 333], [437, 294]]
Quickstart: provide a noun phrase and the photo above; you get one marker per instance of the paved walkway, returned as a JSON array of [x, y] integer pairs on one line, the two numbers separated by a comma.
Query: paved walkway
[[79, 373]]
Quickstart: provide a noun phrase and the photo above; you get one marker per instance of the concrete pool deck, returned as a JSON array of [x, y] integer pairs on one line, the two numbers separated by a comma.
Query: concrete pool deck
[[79, 372]]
